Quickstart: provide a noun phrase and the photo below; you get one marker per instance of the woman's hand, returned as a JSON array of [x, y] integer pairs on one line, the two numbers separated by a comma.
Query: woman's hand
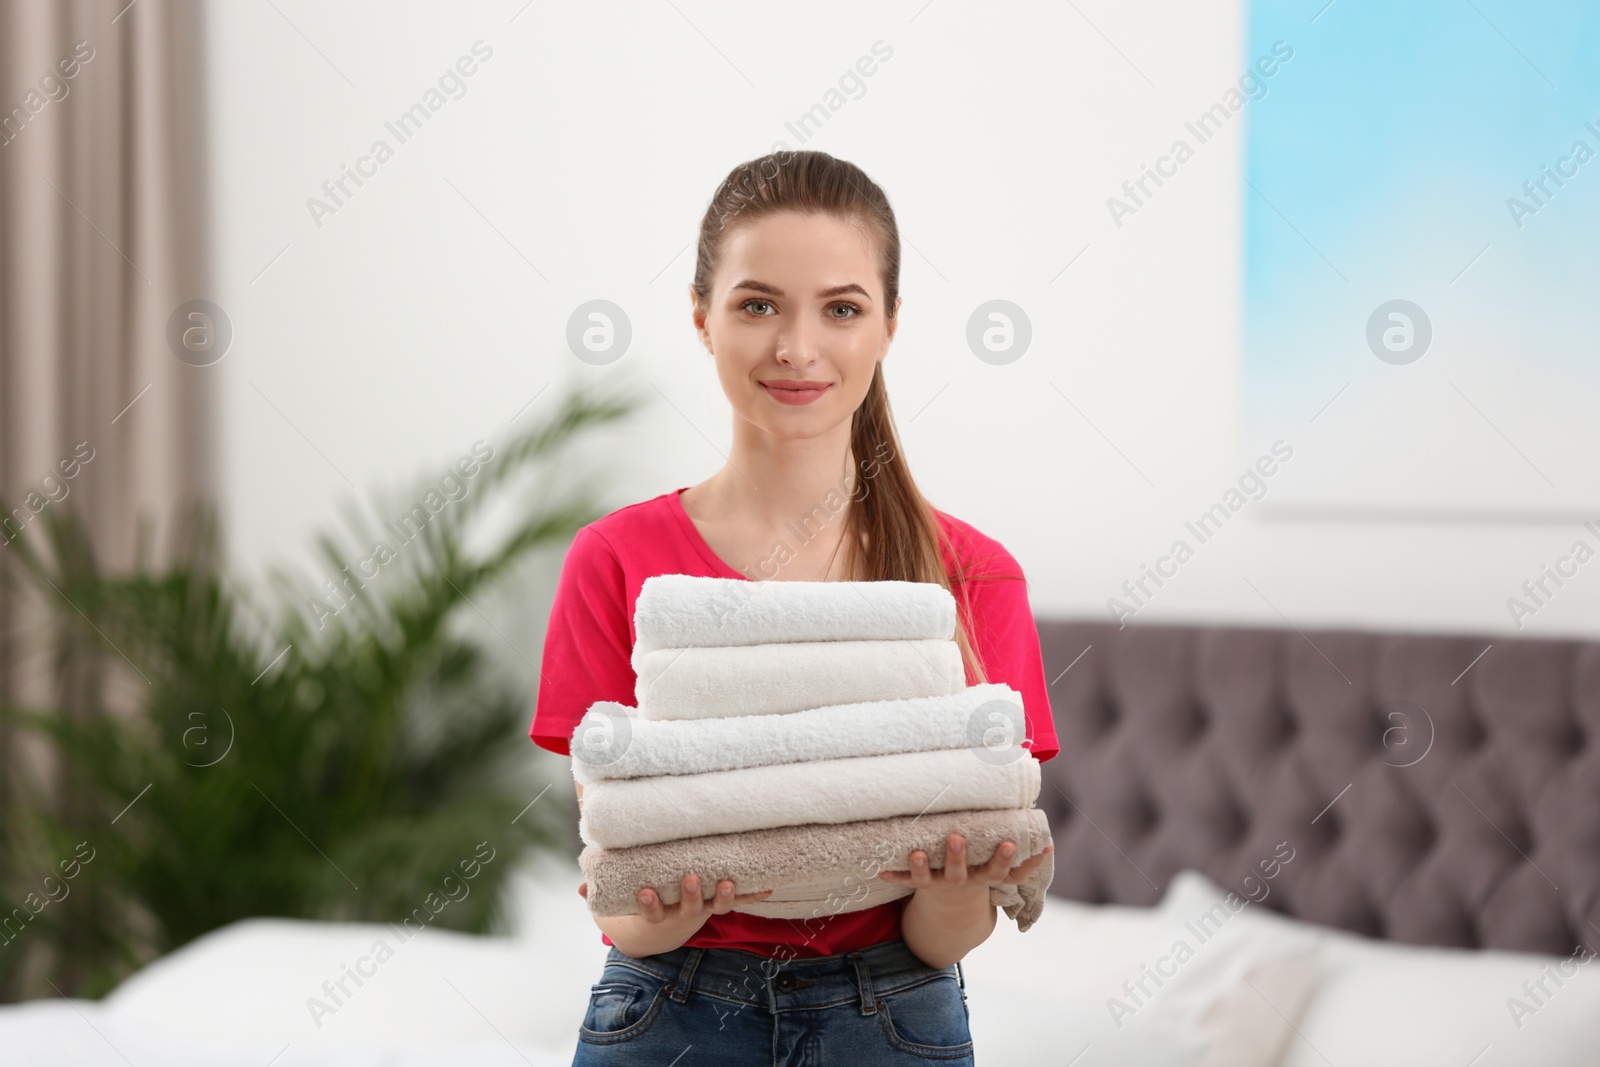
[[661, 928], [691, 909], [950, 913], [956, 881]]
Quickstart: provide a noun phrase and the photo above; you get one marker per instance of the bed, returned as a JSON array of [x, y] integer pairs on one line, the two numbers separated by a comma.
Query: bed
[[1439, 795], [1274, 848]]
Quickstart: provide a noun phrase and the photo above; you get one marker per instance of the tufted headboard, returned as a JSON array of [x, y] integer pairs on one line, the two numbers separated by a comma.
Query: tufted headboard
[[1435, 789]]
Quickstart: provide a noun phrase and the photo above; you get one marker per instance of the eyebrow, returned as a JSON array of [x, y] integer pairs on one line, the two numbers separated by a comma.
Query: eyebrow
[[772, 290]]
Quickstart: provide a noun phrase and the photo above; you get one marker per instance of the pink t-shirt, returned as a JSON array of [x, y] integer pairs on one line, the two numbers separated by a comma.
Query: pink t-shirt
[[588, 657]]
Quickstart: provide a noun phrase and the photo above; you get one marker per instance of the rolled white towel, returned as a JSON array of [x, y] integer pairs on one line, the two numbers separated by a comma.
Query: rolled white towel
[[611, 741], [689, 611], [723, 680], [623, 812]]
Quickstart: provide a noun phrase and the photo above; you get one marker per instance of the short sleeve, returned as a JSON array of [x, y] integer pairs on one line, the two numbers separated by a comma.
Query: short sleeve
[[1007, 639], [588, 647]]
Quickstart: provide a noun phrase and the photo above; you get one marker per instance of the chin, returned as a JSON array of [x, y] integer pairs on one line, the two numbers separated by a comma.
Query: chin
[[799, 429]]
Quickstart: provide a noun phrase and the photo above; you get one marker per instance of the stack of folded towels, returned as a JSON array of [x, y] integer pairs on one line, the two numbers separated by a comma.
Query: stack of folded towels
[[801, 737]]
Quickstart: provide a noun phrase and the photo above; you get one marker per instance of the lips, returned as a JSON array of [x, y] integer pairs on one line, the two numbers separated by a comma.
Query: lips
[[795, 392]]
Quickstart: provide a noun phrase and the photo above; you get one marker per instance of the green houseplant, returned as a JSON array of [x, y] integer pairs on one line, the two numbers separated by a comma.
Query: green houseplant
[[328, 753]]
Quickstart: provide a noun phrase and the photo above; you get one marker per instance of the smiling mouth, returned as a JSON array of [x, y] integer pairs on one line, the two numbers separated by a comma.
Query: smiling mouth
[[791, 394]]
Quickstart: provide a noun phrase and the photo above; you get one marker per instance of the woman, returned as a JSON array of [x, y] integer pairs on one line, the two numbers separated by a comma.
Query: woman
[[795, 297]]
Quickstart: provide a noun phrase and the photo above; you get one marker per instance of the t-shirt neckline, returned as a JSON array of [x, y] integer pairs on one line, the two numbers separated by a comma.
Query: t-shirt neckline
[[697, 539]]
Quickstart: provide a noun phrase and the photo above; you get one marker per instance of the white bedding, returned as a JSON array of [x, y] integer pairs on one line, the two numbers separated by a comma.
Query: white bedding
[[239, 996]]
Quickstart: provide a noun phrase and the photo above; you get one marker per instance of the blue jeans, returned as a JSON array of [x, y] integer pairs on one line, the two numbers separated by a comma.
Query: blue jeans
[[693, 1006]]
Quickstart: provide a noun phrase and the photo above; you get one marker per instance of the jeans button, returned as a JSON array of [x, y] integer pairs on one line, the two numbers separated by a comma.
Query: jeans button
[[785, 982]]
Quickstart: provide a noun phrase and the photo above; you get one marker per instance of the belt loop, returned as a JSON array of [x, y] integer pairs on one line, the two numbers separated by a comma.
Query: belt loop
[[960, 977], [869, 1004], [680, 991]]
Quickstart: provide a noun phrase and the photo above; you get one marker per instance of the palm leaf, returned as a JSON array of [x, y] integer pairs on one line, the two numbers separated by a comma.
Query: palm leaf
[[284, 761]]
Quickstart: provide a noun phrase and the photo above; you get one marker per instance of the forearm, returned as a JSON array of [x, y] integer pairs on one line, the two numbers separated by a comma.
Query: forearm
[[636, 936], [657, 928], [939, 931]]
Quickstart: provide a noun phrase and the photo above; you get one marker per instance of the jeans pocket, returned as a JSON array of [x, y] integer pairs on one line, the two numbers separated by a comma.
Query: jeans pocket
[[622, 1006], [928, 1019]]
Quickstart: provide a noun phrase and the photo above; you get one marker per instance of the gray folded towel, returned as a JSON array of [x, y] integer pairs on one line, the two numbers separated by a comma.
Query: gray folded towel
[[822, 869]]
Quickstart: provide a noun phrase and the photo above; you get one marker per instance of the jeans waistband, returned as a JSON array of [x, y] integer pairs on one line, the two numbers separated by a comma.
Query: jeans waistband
[[748, 978]]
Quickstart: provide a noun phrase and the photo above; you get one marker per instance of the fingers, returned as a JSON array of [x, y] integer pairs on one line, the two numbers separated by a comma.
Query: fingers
[[955, 860], [1020, 873], [999, 864], [954, 871], [691, 904], [727, 898], [957, 872], [650, 906], [722, 899], [919, 875]]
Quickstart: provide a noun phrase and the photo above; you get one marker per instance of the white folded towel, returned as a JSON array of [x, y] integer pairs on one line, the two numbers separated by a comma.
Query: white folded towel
[[722, 680], [612, 742], [623, 812], [687, 611]]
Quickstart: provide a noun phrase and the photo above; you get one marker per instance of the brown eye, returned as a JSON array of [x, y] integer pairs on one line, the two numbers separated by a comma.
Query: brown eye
[[845, 307], [755, 300]]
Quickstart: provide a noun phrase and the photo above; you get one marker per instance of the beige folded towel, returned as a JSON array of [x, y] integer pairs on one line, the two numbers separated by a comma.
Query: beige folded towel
[[719, 681], [822, 869]]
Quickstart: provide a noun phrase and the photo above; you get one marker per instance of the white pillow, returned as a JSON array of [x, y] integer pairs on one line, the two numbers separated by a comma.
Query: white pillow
[[1038, 999], [276, 981], [1449, 1005], [260, 983], [78, 1033], [1066, 987], [1240, 986], [1389, 1004]]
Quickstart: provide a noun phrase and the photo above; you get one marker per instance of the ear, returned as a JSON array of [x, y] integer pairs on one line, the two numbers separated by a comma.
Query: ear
[[893, 324], [698, 316]]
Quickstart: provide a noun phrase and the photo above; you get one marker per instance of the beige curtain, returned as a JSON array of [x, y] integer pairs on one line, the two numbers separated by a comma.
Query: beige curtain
[[102, 237]]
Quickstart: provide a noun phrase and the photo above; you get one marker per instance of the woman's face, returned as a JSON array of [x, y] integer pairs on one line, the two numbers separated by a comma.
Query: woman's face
[[797, 299]]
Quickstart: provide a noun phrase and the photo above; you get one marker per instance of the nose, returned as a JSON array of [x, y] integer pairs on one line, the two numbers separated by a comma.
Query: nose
[[799, 344]]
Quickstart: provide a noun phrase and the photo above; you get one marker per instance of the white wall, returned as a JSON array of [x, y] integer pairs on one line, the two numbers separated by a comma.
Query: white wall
[[381, 344]]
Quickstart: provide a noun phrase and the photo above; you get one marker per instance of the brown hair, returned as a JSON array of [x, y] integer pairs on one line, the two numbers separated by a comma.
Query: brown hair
[[891, 534]]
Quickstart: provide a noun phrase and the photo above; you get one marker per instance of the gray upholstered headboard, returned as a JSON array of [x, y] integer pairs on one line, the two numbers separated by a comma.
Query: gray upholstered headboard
[[1433, 792]]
